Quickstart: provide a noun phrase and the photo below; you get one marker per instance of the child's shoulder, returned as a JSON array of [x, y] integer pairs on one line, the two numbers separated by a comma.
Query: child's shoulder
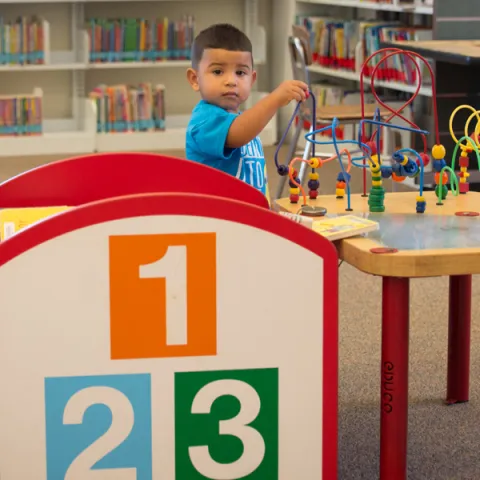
[[205, 108]]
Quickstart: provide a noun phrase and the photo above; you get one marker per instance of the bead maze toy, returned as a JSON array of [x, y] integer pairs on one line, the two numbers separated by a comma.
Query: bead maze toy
[[404, 162]]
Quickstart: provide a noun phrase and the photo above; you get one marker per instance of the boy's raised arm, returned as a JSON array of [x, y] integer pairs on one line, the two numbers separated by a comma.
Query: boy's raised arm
[[250, 123]]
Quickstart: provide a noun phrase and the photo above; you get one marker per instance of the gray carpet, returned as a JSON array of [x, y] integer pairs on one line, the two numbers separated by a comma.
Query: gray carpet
[[443, 441]]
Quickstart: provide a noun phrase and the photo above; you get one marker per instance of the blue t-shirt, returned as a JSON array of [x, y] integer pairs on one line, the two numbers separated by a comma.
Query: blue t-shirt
[[206, 136]]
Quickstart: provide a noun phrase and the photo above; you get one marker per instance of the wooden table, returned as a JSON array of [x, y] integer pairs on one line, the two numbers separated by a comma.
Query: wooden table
[[435, 243]]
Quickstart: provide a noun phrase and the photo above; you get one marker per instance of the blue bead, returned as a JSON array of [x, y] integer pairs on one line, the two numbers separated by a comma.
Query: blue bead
[[439, 164], [313, 184], [386, 172], [292, 185], [396, 167], [397, 157], [282, 170], [421, 207], [411, 168], [342, 176]]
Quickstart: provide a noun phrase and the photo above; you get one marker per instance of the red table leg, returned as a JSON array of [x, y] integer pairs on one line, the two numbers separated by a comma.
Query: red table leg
[[394, 379], [460, 308]]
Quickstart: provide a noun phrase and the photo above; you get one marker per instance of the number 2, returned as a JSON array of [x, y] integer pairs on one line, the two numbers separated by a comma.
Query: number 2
[[162, 295], [118, 432]]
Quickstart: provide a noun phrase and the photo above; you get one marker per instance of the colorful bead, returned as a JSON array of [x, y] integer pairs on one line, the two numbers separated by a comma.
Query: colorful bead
[[438, 152], [295, 191], [377, 183], [373, 148], [343, 177], [463, 161], [340, 192], [387, 172], [444, 178], [340, 184], [294, 198], [313, 194], [313, 184], [442, 191], [420, 198], [398, 178], [425, 158], [313, 175], [463, 187], [315, 162], [421, 206], [438, 165]]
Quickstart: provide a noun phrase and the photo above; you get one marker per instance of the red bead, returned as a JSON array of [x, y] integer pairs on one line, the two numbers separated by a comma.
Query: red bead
[[464, 187], [463, 161], [294, 198], [373, 147], [426, 159], [313, 194]]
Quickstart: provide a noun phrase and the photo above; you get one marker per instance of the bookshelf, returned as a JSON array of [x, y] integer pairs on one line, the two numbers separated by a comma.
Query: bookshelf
[[67, 75], [414, 12]]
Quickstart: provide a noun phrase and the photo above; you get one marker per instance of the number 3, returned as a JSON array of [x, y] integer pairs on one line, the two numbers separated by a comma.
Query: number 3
[[120, 406], [253, 442]]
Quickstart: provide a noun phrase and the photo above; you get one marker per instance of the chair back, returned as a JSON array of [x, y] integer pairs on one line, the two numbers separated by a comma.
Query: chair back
[[89, 178]]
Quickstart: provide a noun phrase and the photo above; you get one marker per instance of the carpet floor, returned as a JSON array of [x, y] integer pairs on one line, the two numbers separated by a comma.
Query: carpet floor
[[443, 441]]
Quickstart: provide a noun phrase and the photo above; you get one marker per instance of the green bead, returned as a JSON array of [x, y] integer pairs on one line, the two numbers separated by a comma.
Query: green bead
[[443, 191], [375, 209]]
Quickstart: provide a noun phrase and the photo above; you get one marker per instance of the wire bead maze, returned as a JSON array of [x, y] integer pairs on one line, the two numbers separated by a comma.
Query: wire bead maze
[[405, 162], [471, 145]]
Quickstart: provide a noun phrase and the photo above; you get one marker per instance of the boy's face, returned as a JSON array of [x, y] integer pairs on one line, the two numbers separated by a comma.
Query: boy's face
[[223, 77]]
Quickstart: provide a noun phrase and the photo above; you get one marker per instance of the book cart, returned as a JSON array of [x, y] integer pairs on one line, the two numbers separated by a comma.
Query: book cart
[[145, 335]]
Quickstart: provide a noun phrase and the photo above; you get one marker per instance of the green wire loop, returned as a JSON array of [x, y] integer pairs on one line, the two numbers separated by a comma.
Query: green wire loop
[[458, 145], [453, 176]]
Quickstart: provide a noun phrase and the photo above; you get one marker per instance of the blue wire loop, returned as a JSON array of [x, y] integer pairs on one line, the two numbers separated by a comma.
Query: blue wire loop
[[411, 169]]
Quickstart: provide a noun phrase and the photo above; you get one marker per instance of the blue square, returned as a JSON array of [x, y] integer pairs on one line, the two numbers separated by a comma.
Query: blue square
[[98, 423]]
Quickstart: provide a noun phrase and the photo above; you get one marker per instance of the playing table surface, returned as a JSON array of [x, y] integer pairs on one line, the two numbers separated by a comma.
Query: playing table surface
[[445, 240]]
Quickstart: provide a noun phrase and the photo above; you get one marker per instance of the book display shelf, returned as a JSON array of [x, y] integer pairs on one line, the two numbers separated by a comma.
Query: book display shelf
[[345, 32], [87, 75]]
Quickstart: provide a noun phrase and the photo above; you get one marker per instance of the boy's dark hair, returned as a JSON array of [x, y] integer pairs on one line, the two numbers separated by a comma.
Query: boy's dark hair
[[221, 35]]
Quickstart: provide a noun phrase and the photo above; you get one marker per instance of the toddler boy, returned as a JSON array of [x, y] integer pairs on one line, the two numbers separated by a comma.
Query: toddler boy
[[217, 134]]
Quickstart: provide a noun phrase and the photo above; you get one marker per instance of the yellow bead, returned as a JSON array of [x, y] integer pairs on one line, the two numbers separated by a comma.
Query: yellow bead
[[420, 198], [294, 191], [438, 152], [313, 175], [463, 169], [376, 183], [464, 153], [339, 192], [314, 162], [404, 161], [466, 175], [463, 180]]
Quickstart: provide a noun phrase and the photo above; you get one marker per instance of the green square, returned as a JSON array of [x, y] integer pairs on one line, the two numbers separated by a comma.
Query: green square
[[226, 424]]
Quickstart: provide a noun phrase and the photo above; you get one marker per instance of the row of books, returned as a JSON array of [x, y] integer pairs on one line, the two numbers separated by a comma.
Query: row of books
[[20, 115], [124, 108], [22, 41], [138, 39], [346, 45]]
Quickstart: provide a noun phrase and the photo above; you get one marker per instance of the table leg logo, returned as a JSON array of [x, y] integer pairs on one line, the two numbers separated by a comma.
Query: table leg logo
[[226, 425], [99, 427], [163, 295]]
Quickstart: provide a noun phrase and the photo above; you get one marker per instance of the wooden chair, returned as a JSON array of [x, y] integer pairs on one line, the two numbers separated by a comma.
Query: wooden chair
[[94, 177]]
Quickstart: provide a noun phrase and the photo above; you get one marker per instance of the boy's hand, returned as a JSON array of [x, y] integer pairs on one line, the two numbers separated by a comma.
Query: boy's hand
[[290, 90]]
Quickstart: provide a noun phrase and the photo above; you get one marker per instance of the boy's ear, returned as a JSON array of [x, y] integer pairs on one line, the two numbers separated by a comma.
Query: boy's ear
[[193, 79], [254, 76]]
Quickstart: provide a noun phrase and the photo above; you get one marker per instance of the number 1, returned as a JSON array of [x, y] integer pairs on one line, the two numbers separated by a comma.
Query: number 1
[[163, 295], [173, 266]]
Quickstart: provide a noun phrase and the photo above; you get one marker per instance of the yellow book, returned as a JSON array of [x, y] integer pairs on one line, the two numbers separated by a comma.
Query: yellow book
[[13, 220], [336, 228]]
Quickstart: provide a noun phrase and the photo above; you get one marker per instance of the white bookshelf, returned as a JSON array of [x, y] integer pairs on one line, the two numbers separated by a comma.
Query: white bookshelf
[[67, 76], [284, 17]]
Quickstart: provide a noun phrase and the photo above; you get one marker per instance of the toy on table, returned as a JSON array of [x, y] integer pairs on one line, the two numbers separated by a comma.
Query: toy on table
[[471, 145], [404, 163]]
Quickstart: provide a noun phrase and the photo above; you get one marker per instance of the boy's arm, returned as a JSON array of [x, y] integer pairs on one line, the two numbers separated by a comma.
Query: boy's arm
[[251, 123]]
